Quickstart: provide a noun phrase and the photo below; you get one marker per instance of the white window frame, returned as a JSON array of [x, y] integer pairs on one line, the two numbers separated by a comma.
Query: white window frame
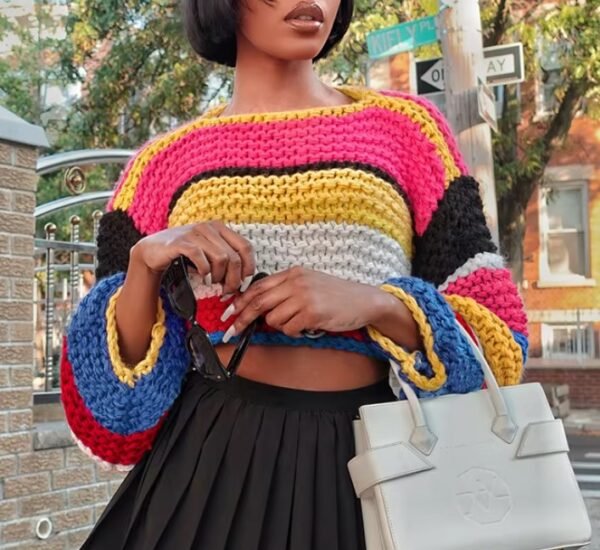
[[549, 54], [545, 277], [548, 341], [542, 109]]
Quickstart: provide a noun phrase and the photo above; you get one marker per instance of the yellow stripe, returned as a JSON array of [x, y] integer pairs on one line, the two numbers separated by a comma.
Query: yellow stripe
[[420, 116], [362, 99], [405, 359], [502, 352], [126, 373], [340, 195]]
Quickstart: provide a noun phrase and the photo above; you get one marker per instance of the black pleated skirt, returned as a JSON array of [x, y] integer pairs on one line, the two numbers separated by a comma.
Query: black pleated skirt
[[243, 466]]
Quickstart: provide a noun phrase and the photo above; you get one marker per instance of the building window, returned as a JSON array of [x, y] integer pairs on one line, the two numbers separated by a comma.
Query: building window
[[568, 341], [547, 86], [549, 76], [564, 232]]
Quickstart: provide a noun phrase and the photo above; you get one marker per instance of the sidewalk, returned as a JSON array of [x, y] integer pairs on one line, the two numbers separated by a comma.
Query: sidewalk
[[583, 422]]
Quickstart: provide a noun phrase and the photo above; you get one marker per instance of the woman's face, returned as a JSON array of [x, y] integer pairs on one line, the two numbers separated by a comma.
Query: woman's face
[[289, 30]]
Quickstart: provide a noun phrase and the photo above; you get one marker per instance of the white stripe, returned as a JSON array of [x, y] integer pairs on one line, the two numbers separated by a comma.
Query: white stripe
[[349, 251], [586, 465], [590, 493], [483, 259], [103, 464], [592, 455], [583, 478]]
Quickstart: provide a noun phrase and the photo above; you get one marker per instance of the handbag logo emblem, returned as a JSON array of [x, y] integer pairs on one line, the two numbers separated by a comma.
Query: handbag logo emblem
[[483, 496]]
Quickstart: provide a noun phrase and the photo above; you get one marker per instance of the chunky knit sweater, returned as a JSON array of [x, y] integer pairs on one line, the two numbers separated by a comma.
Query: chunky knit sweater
[[374, 191]]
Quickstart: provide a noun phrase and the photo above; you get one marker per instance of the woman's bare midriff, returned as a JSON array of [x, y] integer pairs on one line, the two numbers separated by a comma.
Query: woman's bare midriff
[[306, 368]]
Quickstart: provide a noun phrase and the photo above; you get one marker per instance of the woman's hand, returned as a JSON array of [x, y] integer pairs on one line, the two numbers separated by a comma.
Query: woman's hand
[[219, 254], [300, 299]]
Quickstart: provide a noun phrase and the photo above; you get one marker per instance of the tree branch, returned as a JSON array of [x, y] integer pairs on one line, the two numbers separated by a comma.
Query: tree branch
[[499, 25]]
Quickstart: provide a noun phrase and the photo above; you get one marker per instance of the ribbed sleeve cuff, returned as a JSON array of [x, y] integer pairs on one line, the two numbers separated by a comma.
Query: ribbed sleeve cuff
[[447, 363]]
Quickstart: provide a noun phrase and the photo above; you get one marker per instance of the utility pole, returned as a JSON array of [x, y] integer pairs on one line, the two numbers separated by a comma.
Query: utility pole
[[459, 28]]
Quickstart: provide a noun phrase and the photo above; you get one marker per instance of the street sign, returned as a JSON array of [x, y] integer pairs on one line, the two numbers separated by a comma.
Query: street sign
[[503, 65], [439, 100], [430, 76], [486, 104], [401, 38]]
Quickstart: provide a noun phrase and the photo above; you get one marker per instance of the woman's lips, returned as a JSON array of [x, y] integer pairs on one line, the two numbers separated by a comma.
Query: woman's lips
[[306, 17]]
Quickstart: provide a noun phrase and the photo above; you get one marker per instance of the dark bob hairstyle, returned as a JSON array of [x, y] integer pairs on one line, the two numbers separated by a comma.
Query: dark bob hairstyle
[[210, 26]]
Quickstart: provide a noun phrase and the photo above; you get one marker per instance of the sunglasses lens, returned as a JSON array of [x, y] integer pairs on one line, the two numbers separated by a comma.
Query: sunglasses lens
[[204, 356], [196, 354], [180, 293], [183, 300]]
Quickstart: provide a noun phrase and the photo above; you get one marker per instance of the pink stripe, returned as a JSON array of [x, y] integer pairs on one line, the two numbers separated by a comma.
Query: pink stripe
[[375, 136], [441, 123], [494, 289], [125, 173]]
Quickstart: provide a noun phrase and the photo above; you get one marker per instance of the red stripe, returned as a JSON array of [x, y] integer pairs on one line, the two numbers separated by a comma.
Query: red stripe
[[104, 444]]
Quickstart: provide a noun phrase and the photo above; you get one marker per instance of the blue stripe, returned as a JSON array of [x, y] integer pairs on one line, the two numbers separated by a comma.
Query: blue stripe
[[326, 341], [463, 371], [116, 406]]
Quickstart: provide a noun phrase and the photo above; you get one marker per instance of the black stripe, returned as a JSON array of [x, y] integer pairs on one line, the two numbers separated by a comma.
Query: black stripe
[[290, 170], [116, 235], [457, 232]]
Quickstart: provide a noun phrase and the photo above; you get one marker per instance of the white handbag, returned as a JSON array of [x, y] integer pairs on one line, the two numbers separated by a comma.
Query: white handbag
[[487, 470]]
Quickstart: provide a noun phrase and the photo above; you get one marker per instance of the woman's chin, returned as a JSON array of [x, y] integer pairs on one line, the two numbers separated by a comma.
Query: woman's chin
[[302, 50]]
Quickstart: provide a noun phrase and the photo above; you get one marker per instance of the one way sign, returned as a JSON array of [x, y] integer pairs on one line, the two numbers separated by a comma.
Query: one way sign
[[430, 76], [503, 65]]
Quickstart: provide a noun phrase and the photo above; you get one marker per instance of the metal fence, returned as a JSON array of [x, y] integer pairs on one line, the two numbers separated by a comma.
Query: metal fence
[[64, 269]]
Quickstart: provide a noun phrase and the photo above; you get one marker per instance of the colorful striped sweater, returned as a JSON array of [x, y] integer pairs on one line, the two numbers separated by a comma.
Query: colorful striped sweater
[[374, 191]]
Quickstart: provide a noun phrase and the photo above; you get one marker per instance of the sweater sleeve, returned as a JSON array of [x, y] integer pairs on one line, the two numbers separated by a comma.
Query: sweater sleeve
[[457, 273], [114, 410]]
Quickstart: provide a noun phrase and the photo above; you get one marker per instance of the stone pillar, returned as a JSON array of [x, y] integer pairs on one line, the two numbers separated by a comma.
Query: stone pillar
[[51, 494], [19, 143]]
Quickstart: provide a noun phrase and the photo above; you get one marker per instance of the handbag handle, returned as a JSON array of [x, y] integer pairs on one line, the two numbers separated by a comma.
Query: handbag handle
[[423, 438]]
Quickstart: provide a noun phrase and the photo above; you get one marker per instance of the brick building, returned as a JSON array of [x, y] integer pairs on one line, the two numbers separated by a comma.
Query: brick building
[[562, 268]]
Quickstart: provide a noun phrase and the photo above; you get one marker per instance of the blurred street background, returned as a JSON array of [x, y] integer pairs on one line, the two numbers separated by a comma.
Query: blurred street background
[[83, 83]]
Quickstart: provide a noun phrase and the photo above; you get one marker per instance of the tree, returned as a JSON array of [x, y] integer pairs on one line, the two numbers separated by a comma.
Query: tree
[[32, 68], [138, 74]]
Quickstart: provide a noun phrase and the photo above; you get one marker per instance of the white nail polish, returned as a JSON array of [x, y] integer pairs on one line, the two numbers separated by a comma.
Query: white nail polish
[[225, 297], [208, 279], [246, 283], [228, 334], [228, 313]]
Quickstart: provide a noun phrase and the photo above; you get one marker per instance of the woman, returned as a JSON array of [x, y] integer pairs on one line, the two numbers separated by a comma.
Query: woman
[[358, 207]]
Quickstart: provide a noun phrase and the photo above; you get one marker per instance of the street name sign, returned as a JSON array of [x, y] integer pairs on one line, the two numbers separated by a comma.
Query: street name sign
[[401, 38], [503, 65]]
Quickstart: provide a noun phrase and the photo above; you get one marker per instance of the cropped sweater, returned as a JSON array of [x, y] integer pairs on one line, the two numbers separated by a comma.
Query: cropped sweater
[[374, 191]]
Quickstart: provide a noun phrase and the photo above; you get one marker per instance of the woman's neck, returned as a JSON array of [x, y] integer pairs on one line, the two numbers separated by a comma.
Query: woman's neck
[[265, 84]]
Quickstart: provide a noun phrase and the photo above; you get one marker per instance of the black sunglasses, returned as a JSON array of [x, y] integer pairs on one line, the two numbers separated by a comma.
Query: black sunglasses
[[176, 282]]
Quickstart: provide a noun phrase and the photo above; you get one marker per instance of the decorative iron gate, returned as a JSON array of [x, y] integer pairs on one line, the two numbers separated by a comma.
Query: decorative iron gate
[[64, 269]]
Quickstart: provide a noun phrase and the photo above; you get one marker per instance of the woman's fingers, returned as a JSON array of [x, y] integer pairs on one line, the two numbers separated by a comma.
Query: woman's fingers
[[196, 255], [230, 255], [249, 307], [285, 313], [244, 249], [226, 264]]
